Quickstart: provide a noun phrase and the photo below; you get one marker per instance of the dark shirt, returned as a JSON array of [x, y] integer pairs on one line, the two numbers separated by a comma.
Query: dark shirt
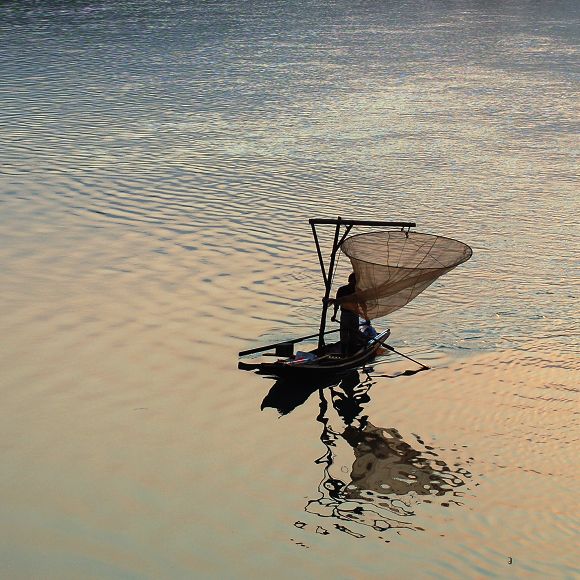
[[343, 291], [350, 337]]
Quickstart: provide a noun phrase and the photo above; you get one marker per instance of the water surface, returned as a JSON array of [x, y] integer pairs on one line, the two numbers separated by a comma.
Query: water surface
[[159, 163]]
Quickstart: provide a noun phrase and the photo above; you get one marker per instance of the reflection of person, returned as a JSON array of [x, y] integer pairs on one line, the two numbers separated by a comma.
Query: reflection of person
[[351, 338]]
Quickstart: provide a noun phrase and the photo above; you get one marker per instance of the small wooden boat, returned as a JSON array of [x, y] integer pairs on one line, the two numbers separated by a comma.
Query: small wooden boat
[[326, 360], [391, 268]]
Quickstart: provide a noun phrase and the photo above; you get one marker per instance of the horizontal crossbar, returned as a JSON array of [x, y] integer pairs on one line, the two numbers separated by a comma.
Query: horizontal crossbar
[[347, 222]]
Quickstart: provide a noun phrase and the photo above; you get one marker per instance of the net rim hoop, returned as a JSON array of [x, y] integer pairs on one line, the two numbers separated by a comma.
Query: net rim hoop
[[409, 234]]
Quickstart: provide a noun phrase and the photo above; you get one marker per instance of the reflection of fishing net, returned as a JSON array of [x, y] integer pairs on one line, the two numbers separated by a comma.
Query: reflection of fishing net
[[394, 267], [386, 464]]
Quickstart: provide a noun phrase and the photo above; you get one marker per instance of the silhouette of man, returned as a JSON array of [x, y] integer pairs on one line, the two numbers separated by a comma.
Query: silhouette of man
[[351, 338]]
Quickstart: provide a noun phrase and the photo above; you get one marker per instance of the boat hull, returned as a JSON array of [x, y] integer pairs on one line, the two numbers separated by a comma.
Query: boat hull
[[328, 365]]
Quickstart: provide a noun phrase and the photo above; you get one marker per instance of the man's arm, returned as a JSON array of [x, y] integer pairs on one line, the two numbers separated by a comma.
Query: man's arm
[[333, 317], [336, 305]]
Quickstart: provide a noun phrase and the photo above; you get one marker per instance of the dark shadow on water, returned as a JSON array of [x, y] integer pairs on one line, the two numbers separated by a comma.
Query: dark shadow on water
[[389, 477], [287, 394]]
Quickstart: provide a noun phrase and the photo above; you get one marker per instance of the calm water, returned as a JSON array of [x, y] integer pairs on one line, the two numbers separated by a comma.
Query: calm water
[[158, 165]]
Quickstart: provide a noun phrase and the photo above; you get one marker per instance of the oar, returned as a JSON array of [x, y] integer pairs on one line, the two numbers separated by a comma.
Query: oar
[[389, 347], [293, 341]]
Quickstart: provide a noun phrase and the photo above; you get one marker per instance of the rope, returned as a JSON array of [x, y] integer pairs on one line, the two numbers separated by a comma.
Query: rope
[[335, 266]]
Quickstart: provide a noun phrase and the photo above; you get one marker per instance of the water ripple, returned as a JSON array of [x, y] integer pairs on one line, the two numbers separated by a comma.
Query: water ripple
[[159, 164]]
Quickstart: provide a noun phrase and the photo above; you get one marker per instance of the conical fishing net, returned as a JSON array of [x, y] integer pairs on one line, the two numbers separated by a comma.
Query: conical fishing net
[[393, 267]]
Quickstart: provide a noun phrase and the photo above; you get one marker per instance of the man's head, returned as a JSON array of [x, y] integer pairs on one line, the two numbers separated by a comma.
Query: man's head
[[352, 279]]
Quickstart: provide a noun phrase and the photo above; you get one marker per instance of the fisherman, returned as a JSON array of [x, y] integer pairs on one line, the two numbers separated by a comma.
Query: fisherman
[[351, 338]]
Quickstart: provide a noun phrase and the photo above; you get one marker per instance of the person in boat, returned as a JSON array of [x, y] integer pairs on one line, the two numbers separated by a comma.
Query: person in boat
[[351, 339]]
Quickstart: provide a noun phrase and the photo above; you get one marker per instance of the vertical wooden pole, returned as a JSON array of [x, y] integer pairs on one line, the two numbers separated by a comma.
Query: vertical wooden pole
[[328, 284], [319, 252]]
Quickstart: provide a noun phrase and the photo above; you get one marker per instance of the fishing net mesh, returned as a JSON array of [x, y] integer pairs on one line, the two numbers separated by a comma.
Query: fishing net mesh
[[393, 267]]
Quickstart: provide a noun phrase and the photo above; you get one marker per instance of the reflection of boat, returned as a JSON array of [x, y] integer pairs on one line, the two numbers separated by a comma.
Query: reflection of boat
[[391, 268], [325, 360], [390, 477], [288, 393]]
